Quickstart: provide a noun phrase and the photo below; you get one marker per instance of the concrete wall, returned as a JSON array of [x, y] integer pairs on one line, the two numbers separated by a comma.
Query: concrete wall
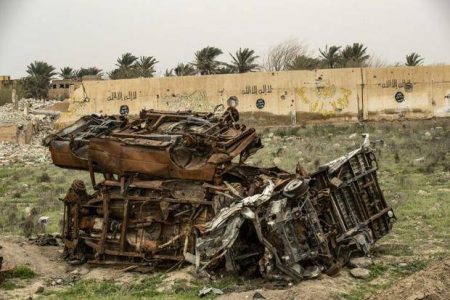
[[16, 133], [279, 98]]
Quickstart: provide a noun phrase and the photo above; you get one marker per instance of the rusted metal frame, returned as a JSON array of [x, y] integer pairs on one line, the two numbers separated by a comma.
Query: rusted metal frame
[[65, 221], [124, 226], [171, 200], [348, 163], [358, 201], [273, 250], [106, 210], [338, 212], [346, 205], [153, 137], [383, 201], [234, 140], [243, 145], [113, 252], [366, 222], [91, 172], [135, 184]]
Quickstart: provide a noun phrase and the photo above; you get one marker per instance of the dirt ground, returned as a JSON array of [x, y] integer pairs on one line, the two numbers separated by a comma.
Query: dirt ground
[[47, 263], [432, 283]]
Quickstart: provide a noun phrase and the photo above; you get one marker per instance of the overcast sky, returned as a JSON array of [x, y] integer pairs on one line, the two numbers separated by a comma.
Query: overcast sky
[[83, 33]]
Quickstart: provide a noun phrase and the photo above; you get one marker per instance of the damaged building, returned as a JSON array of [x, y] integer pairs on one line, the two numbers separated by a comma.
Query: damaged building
[[172, 187]]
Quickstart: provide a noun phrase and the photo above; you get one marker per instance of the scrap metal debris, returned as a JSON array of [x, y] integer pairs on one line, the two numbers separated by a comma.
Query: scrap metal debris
[[176, 188]]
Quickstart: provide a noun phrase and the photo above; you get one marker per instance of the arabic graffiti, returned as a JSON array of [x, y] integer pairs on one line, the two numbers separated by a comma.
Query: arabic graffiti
[[397, 84], [131, 95], [253, 89]]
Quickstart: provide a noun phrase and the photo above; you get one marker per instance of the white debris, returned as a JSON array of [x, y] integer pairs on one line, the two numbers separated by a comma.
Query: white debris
[[42, 125]]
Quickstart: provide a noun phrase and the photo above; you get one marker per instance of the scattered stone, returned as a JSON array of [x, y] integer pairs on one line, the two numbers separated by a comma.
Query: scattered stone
[[360, 273], [419, 160], [337, 145], [207, 290], [270, 135], [59, 281], [39, 289], [277, 160], [258, 295], [352, 136], [360, 262], [422, 193], [402, 264], [83, 271], [427, 133]]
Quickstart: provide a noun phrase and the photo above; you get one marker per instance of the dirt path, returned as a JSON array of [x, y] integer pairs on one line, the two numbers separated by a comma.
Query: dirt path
[[45, 261]]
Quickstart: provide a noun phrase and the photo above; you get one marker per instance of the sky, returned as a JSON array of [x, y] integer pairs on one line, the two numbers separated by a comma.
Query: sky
[[84, 33]]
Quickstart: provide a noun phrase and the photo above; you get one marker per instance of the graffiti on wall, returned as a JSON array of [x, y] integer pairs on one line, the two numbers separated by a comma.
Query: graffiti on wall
[[196, 100], [119, 95], [325, 99], [399, 97], [398, 84], [253, 89]]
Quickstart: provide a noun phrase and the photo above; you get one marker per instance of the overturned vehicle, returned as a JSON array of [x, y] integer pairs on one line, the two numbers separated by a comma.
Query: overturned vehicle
[[175, 188]]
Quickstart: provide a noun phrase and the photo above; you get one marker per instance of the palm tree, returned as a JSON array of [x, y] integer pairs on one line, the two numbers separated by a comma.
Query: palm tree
[[126, 60], [303, 62], [244, 61], [205, 60], [67, 73], [144, 66], [37, 82], [91, 71], [414, 59], [354, 55], [168, 73], [40, 68], [184, 70], [331, 55], [125, 64]]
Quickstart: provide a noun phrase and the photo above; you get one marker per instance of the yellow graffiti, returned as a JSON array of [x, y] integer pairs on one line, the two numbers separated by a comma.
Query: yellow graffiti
[[323, 99]]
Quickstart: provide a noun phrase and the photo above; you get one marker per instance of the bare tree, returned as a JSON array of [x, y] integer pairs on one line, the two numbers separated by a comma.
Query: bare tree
[[282, 56], [376, 61]]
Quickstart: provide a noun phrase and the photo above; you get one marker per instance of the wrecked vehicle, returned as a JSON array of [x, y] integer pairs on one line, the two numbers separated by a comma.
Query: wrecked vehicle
[[175, 188]]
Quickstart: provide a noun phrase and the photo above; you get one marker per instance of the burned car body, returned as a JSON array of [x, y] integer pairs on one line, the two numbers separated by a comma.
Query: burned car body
[[176, 188]]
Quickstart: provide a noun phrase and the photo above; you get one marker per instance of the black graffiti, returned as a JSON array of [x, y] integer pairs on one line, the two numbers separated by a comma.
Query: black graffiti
[[399, 97], [260, 103], [397, 84], [118, 96], [124, 110], [253, 89]]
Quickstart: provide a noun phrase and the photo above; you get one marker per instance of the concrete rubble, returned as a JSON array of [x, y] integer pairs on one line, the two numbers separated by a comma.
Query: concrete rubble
[[30, 123], [173, 187]]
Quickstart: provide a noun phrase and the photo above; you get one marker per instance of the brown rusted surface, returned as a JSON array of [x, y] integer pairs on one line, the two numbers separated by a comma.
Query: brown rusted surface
[[176, 188]]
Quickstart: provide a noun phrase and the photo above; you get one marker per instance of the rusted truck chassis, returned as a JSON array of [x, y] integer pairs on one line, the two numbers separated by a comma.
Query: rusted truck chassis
[[175, 188]]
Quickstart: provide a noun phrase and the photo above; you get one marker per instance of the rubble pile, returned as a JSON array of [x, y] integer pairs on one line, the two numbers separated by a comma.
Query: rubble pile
[[29, 112], [175, 188]]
